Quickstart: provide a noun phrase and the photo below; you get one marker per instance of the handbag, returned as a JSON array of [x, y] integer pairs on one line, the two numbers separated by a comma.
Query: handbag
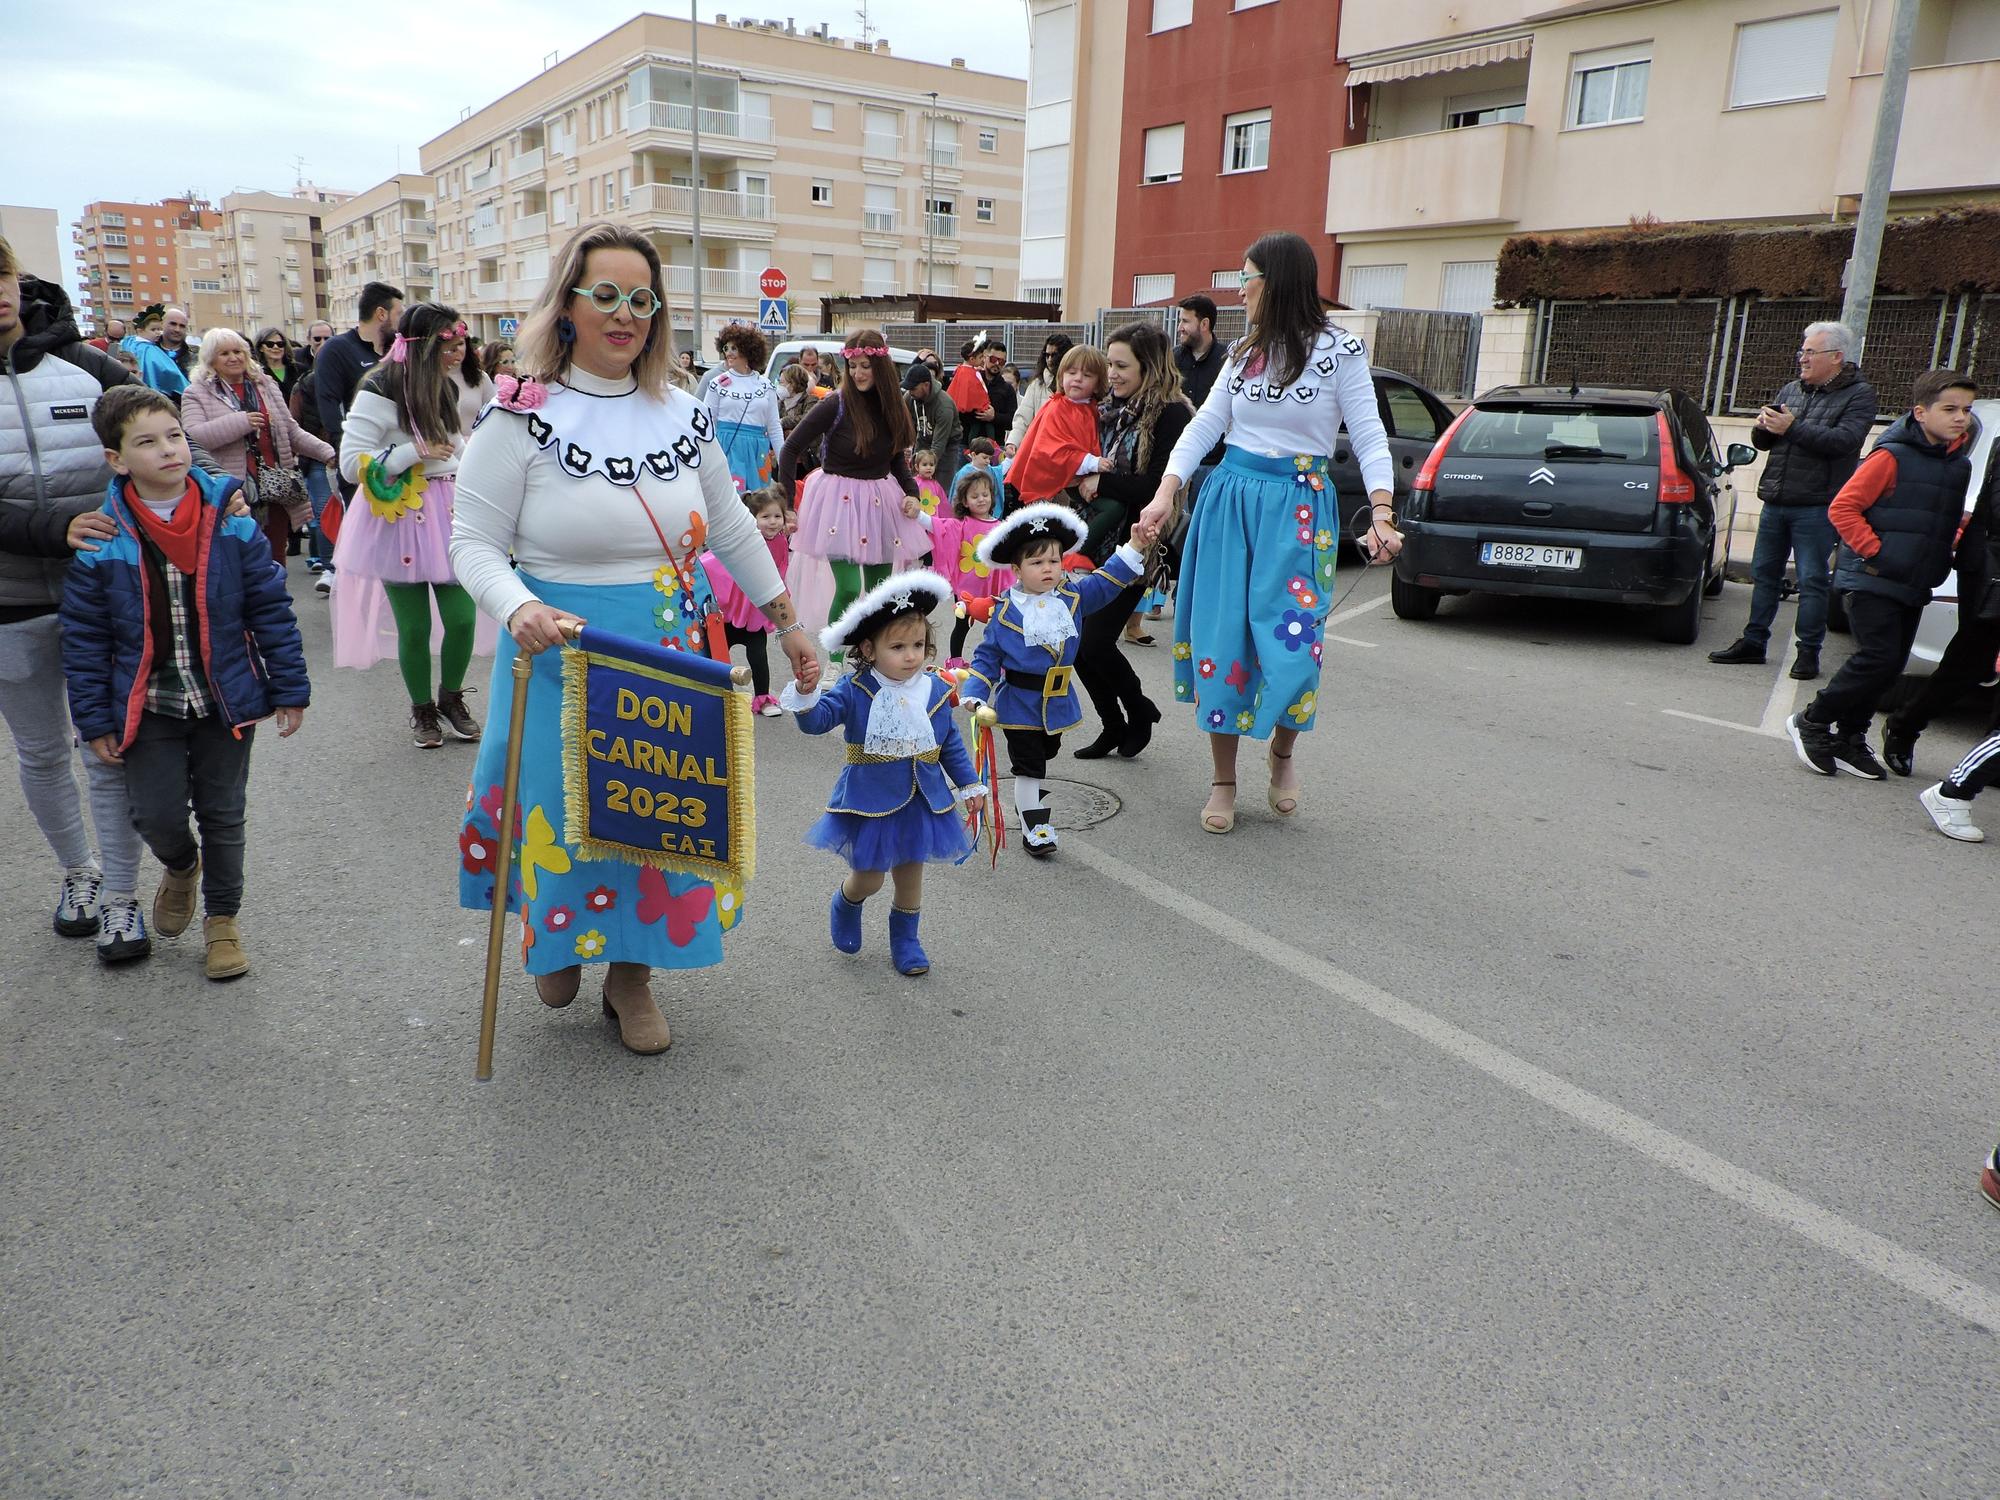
[[270, 484]]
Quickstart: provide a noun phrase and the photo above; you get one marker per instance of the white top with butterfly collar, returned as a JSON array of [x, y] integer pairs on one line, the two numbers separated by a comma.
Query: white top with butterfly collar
[[565, 491], [1304, 417]]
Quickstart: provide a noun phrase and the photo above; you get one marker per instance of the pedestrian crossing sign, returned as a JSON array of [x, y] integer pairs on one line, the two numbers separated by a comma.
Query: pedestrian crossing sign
[[773, 315]]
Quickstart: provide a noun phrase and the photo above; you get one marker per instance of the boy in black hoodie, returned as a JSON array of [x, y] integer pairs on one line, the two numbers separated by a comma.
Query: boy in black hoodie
[[1897, 518]]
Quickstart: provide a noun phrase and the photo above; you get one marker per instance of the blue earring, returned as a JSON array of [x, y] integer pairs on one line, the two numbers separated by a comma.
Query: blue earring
[[565, 331]]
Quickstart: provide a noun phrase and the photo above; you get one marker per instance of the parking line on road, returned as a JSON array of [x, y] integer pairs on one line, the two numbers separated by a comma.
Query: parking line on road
[[1784, 694], [1861, 1247], [1359, 609], [1348, 640], [1757, 729]]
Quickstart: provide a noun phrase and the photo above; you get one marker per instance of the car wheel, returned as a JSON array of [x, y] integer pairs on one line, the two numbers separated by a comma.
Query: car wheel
[[1713, 588], [1679, 624], [1412, 601]]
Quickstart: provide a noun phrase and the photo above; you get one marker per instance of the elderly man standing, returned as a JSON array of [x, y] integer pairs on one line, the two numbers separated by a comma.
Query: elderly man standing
[[1814, 431]]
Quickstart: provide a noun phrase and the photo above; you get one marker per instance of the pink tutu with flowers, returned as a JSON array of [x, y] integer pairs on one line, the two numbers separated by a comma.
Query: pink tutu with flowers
[[411, 545], [858, 520]]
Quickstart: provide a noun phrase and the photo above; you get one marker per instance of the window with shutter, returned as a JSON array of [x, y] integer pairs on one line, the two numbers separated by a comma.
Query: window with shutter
[[1609, 87], [1163, 153], [1168, 14], [1375, 286], [1051, 56], [1156, 288], [1046, 207], [1778, 61]]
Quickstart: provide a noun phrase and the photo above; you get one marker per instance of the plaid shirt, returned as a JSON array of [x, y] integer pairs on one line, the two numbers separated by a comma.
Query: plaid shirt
[[178, 687]]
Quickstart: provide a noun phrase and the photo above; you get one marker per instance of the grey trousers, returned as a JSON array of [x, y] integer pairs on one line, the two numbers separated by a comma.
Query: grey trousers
[[174, 764], [36, 711]]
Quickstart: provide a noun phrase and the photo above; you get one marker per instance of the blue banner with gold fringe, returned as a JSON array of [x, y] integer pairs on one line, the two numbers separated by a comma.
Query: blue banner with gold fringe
[[657, 758]]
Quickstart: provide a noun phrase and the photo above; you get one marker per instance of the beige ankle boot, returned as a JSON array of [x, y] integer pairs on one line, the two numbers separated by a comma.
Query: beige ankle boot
[[226, 958], [173, 902], [628, 1000]]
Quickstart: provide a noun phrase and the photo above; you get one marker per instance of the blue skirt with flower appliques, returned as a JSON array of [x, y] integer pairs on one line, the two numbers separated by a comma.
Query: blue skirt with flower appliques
[[1256, 583]]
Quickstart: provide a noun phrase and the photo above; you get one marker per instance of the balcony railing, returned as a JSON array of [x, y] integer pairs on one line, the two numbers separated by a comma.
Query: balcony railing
[[944, 226], [486, 234], [878, 143], [489, 291], [529, 226], [524, 163], [944, 156], [421, 270], [716, 281], [421, 229], [658, 115], [483, 178], [876, 222], [873, 288], [1472, 176], [716, 203]]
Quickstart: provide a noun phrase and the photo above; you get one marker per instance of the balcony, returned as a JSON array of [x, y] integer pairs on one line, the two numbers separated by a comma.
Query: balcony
[[1936, 153], [419, 229], [655, 124], [879, 144], [716, 281], [483, 178], [524, 164], [944, 156], [1430, 181], [878, 222], [486, 234], [942, 226], [420, 270], [489, 291], [664, 206], [530, 227]]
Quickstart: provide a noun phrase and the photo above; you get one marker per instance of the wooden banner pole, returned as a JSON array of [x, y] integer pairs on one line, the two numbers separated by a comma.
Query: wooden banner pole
[[503, 870]]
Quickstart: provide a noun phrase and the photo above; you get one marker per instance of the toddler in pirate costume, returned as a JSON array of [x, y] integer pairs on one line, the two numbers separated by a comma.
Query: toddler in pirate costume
[[893, 808], [1021, 668]]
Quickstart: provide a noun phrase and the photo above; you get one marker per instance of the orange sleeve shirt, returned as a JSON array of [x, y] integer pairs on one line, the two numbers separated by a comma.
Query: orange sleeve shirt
[[1874, 478]]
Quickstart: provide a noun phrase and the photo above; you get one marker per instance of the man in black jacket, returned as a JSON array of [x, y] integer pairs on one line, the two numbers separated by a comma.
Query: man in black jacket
[[1003, 396], [341, 362], [1814, 431]]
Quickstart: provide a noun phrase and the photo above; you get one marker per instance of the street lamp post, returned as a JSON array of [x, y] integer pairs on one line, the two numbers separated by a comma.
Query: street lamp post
[[1860, 299], [694, 132], [930, 195]]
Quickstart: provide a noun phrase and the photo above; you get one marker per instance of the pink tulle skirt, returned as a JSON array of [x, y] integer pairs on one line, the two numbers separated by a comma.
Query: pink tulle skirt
[[858, 520], [371, 551]]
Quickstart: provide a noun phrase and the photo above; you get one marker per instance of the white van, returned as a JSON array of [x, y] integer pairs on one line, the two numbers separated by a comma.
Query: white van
[[787, 353]]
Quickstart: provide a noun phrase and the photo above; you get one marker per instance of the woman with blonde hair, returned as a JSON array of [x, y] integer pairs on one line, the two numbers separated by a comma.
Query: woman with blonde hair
[[600, 476], [234, 409]]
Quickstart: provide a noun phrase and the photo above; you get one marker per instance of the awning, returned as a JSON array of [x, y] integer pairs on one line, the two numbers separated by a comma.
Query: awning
[[1512, 50]]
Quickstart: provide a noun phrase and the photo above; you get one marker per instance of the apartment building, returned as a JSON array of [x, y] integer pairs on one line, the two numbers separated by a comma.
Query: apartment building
[[272, 259], [1484, 118], [387, 233], [198, 267], [1076, 103], [126, 256], [852, 170], [35, 235]]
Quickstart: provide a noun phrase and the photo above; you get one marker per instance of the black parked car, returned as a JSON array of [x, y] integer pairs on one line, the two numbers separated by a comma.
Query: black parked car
[[1413, 418], [1590, 492]]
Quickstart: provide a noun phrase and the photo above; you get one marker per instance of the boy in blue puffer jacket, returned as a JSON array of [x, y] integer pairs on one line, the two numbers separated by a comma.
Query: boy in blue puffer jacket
[[177, 637]]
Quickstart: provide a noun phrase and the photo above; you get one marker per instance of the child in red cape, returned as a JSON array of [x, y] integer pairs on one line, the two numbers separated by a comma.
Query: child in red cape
[[1060, 445]]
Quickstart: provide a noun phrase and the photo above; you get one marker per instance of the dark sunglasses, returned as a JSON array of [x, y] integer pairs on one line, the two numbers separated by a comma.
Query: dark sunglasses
[[272, 344]]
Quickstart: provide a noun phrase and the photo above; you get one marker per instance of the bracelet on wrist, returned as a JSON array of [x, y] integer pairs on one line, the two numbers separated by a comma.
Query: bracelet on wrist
[[785, 630]]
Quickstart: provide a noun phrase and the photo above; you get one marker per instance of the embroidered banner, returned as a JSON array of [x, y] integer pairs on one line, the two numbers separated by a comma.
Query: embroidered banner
[[657, 759]]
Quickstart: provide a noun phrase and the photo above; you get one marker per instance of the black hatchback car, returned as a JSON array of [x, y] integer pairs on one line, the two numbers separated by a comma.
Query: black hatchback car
[[1580, 492]]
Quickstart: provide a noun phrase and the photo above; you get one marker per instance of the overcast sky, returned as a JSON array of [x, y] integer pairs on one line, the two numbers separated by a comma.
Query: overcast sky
[[136, 100]]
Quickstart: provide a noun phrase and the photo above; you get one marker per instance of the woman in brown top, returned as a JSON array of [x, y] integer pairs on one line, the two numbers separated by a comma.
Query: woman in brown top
[[860, 509]]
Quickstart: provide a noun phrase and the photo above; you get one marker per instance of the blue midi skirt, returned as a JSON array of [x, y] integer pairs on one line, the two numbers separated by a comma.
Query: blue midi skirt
[[748, 449], [1255, 584]]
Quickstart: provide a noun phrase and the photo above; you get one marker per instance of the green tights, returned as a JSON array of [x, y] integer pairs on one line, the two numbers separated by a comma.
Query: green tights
[[850, 579], [410, 603]]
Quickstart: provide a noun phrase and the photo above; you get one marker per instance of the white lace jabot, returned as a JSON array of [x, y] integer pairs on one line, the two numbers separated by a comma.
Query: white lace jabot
[[899, 720], [1045, 618]]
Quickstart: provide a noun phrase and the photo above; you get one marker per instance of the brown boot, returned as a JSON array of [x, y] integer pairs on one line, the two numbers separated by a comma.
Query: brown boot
[[558, 989], [226, 958], [629, 1001], [173, 902]]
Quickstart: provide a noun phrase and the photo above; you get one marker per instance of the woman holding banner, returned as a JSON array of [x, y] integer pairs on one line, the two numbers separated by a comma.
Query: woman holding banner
[[601, 477]]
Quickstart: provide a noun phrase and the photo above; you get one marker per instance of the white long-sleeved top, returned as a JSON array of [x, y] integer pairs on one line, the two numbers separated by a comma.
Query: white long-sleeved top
[[1303, 417], [375, 426], [748, 399], [518, 502]]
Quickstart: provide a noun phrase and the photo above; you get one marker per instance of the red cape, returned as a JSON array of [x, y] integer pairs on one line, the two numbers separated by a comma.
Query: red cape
[[1062, 435]]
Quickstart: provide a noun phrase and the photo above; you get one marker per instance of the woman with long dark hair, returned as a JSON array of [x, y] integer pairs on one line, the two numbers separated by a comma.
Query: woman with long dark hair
[[1138, 425], [273, 351], [860, 508], [1256, 574], [400, 449], [1040, 387]]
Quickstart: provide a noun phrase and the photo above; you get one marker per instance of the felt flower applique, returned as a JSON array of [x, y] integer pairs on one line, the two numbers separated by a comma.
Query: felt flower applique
[[476, 850], [1215, 718], [540, 851], [1303, 514], [590, 944], [1206, 666], [1296, 628], [666, 580], [559, 919], [1303, 710], [601, 899], [1182, 690], [527, 937], [1183, 651], [1319, 649], [489, 803], [1306, 534], [1244, 721], [728, 903], [968, 559], [1301, 590], [1322, 539]]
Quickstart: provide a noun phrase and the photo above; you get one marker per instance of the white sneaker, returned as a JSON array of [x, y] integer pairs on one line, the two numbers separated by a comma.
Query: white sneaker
[[323, 584], [121, 930], [1953, 818], [76, 901]]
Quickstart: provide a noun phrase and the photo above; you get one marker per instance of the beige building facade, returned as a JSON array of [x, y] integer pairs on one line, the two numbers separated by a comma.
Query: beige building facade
[[387, 233], [36, 239], [826, 158], [1076, 107], [271, 258], [1490, 117], [198, 271], [127, 255]]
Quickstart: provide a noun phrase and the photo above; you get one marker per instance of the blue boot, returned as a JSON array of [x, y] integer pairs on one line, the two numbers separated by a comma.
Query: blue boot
[[846, 922], [904, 949]]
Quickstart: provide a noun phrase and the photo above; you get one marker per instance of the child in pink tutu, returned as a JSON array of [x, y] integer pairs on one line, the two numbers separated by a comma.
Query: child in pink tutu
[[743, 623], [955, 537]]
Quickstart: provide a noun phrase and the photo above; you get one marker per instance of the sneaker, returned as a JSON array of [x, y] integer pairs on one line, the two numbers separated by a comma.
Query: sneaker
[[1852, 755], [1739, 652], [1989, 1181], [1814, 743], [451, 706], [1953, 817], [76, 901], [323, 585], [121, 931], [426, 731], [767, 706], [1805, 666]]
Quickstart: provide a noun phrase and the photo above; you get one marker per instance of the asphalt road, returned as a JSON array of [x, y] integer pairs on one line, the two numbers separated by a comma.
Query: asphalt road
[[1576, 1099]]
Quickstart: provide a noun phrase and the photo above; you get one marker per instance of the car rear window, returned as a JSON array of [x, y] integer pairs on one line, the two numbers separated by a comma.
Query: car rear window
[[1583, 434]]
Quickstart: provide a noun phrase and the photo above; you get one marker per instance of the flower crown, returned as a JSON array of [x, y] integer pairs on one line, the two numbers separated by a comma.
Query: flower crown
[[870, 351]]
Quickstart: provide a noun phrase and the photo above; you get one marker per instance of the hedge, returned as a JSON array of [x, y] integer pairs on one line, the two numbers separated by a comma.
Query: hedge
[[1954, 251]]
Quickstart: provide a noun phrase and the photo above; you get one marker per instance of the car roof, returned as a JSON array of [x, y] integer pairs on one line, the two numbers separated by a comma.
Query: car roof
[[1556, 395]]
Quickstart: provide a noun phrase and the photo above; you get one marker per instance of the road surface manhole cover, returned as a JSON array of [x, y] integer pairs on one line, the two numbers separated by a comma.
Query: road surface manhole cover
[[1072, 804]]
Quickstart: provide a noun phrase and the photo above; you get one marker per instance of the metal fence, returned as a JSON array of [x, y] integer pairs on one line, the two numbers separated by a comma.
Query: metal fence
[[1023, 341], [1436, 349], [1732, 354]]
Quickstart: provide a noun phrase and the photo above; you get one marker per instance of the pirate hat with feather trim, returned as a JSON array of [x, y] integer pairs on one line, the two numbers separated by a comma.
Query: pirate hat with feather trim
[[1031, 523], [917, 592]]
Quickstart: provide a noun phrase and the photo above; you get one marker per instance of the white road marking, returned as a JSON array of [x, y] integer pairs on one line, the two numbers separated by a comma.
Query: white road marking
[[1359, 609], [1862, 1247], [1784, 693], [1758, 729], [1348, 640]]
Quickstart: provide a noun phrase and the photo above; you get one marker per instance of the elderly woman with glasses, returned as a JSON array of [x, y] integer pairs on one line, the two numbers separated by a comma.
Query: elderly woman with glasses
[[235, 409]]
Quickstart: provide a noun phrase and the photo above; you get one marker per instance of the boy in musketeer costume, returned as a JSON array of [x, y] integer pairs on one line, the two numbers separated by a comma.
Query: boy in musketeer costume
[[1023, 663]]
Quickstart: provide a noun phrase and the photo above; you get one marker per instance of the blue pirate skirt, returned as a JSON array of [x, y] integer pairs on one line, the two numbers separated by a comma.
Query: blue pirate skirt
[[576, 910], [748, 449], [1255, 584]]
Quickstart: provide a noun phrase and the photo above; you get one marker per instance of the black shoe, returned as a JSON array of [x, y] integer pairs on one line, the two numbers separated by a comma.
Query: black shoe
[[1899, 750], [1108, 739], [1805, 666], [1814, 743], [1852, 755], [1140, 733], [1740, 653], [1037, 836]]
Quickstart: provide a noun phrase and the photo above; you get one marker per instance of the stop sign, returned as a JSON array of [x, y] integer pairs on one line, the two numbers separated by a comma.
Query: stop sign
[[772, 283]]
